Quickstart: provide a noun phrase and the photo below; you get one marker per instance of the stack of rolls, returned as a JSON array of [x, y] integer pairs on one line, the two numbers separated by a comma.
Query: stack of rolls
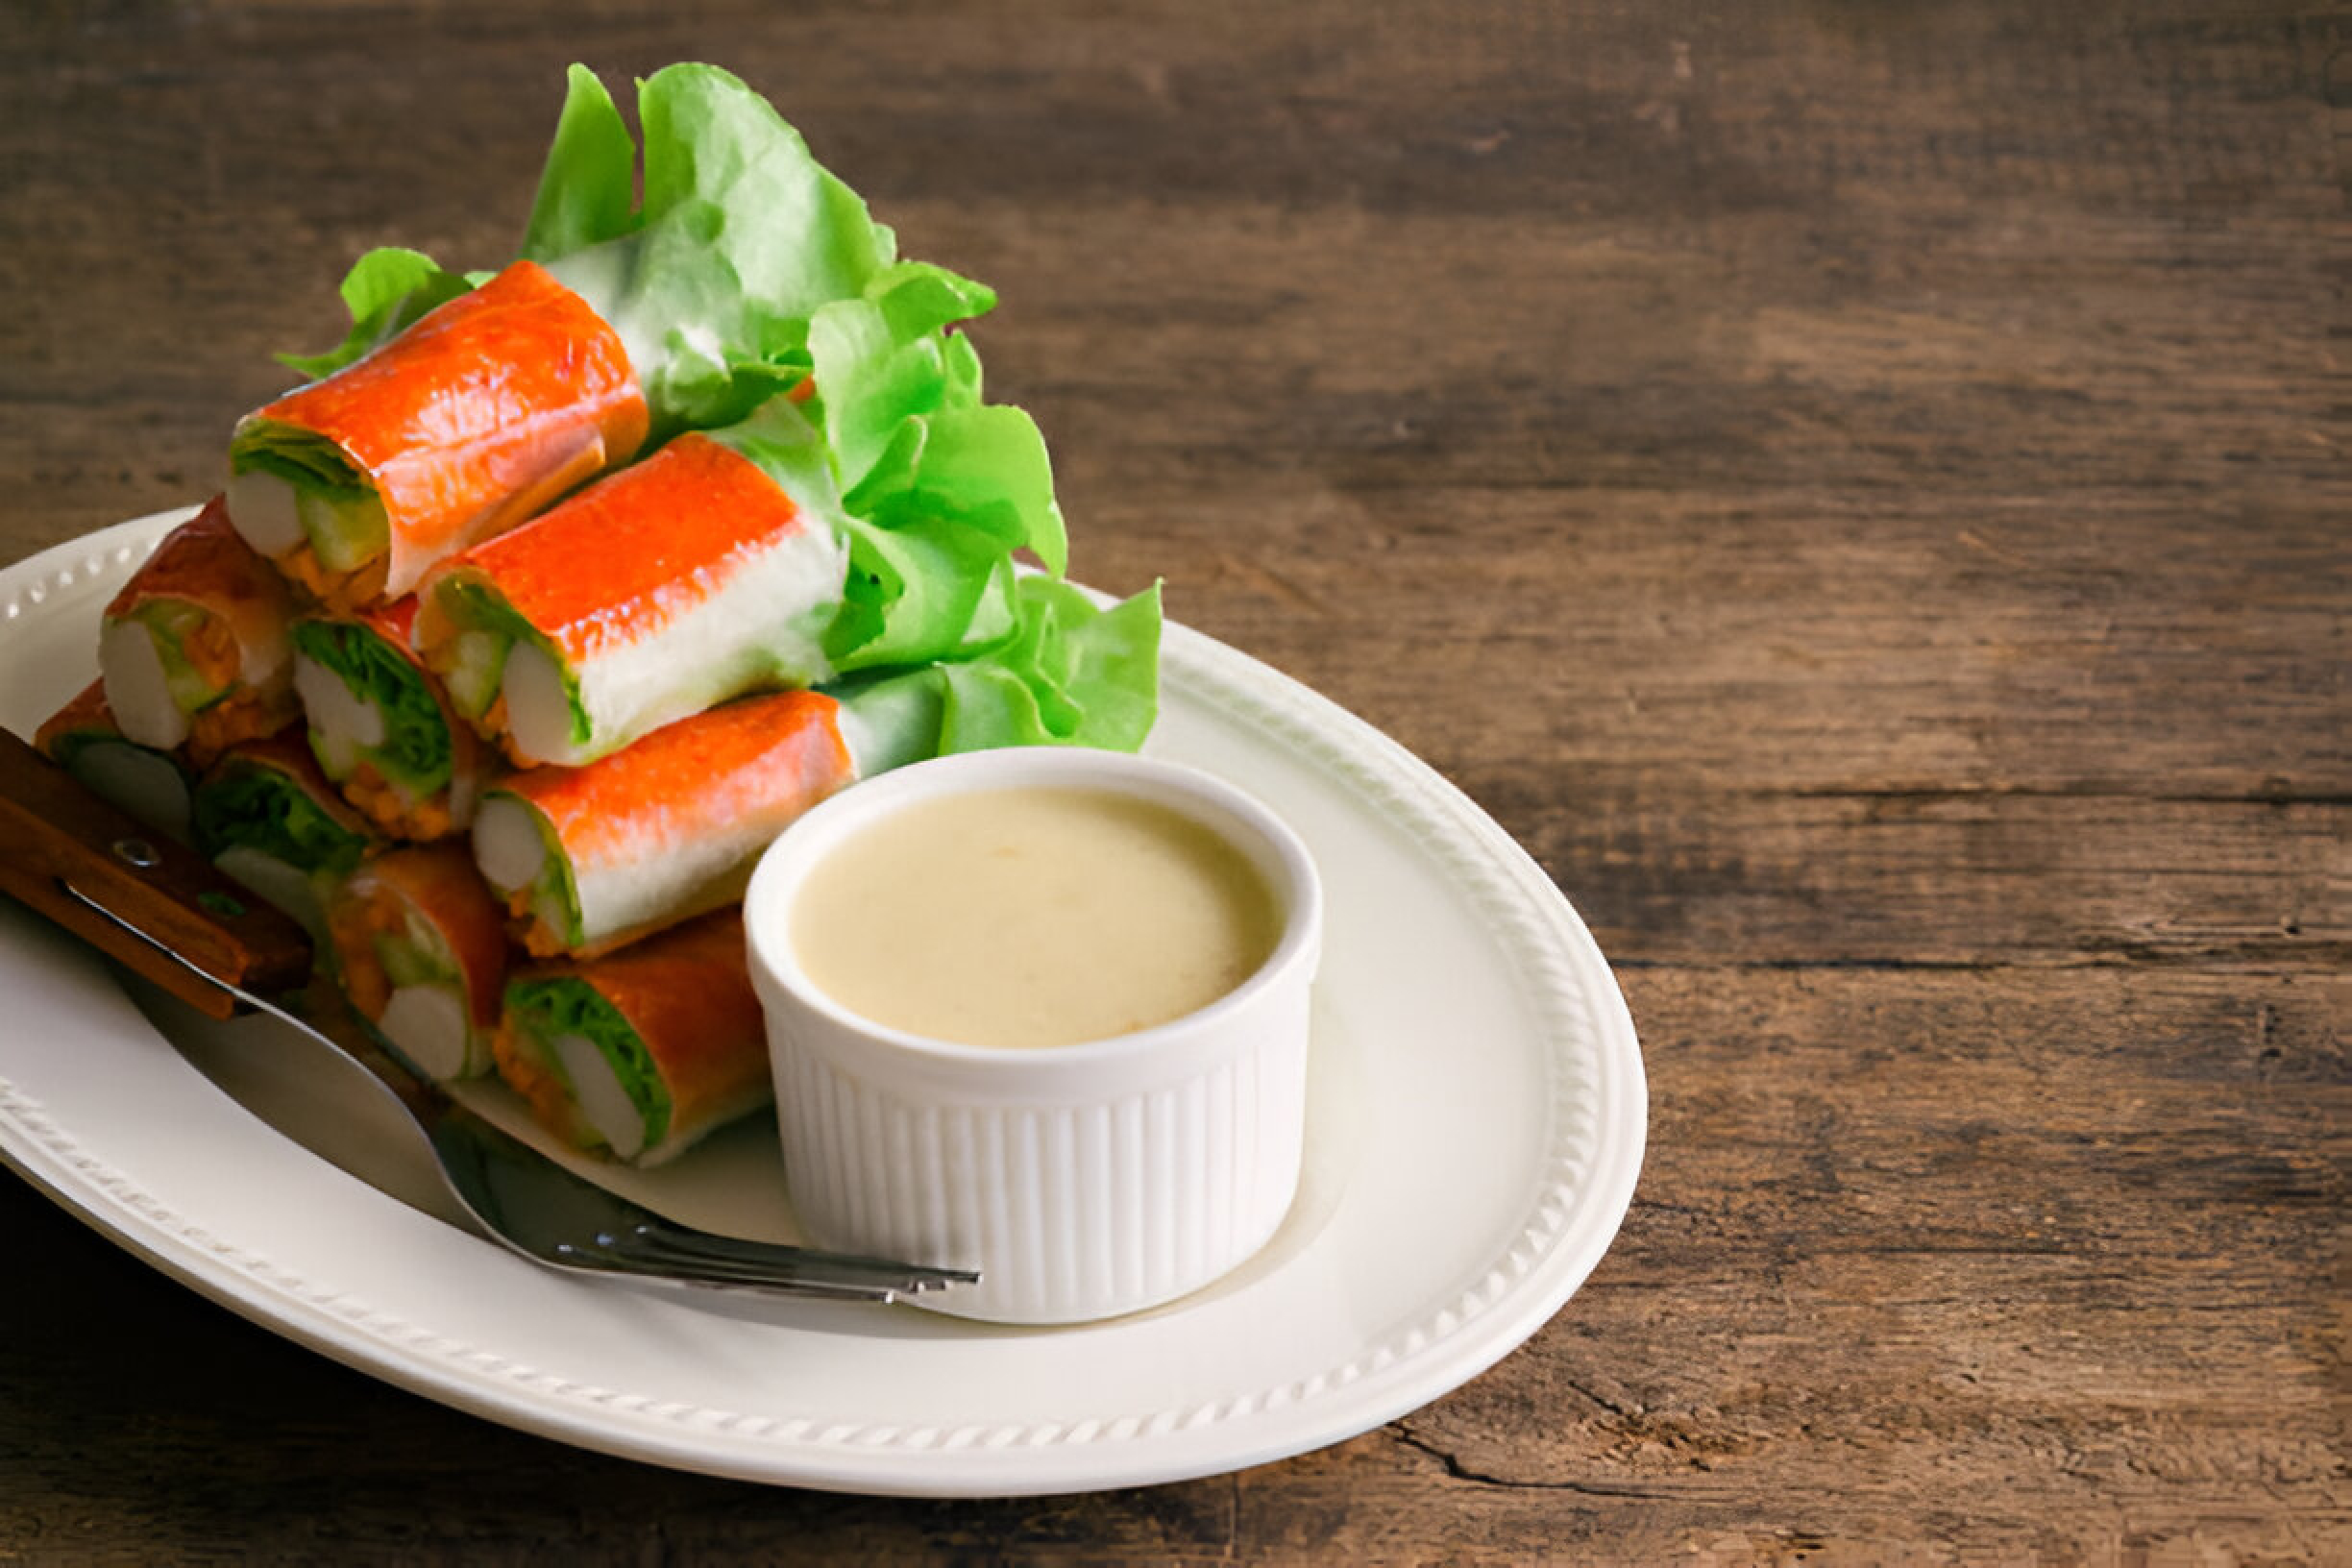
[[524, 625]]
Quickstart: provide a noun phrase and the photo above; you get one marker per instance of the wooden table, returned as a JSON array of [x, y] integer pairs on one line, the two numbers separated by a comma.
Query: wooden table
[[1858, 492]]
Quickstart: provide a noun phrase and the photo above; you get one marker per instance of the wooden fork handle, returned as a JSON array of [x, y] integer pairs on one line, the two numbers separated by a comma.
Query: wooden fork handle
[[56, 836]]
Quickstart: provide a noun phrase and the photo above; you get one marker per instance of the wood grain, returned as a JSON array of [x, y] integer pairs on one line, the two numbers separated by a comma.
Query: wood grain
[[1858, 491]]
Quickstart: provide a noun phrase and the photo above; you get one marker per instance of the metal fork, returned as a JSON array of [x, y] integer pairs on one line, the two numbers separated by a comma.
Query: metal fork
[[142, 900], [535, 1207]]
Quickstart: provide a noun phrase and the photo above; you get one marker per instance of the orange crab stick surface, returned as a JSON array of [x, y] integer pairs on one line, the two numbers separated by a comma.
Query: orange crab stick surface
[[421, 953], [643, 1051], [661, 590], [484, 411], [193, 647], [590, 857]]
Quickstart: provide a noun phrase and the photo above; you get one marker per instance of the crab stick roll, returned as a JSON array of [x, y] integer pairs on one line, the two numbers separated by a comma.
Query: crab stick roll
[[192, 650], [640, 1053], [588, 858], [380, 726], [420, 949], [266, 816], [481, 413], [689, 578], [150, 786]]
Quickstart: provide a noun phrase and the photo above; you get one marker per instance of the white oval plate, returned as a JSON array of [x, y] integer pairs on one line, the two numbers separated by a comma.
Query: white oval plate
[[1476, 1119]]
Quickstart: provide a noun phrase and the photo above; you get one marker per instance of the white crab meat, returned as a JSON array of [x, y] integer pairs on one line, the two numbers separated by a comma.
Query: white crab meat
[[538, 707], [507, 845], [597, 1090], [342, 724], [265, 510], [138, 688], [431, 1026]]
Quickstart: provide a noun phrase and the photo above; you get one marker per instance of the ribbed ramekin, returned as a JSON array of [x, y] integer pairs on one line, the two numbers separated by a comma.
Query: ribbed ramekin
[[1082, 1181]]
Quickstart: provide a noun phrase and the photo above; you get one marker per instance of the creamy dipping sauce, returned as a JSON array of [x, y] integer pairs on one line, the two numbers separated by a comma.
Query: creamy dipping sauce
[[1032, 917]]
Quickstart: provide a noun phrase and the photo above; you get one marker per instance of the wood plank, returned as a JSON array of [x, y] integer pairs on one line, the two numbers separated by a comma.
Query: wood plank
[[1859, 492]]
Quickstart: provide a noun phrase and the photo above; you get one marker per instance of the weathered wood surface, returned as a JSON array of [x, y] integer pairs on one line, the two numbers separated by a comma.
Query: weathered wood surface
[[1858, 491]]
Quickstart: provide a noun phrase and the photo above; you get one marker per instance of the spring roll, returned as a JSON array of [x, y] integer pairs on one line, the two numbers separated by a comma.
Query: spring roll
[[192, 648], [642, 1052], [150, 786], [690, 578], [588, 858], [419, 951], [484, 411], [266, 816], [381, 724]]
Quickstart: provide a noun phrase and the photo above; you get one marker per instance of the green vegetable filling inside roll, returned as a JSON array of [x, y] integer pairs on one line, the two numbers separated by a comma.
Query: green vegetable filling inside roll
[[415, 753], [582, 1038], [493, 631], [425, 1016], [261, 811], [417, 956], [290, 486]]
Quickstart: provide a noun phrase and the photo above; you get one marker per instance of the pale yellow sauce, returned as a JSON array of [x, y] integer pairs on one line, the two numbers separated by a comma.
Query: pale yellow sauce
[[1033, 918]]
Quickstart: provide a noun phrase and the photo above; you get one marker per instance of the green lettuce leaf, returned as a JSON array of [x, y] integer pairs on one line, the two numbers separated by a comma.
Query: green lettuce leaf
[[1073, 673], [933, 488], [587, 188], [298, 456], [386, 291]]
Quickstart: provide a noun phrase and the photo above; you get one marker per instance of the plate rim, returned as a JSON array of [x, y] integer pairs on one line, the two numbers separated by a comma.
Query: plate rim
[[1597, 1121]]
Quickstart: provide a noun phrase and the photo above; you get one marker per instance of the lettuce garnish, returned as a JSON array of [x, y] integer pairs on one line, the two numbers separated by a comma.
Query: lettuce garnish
[[934, 488], [1072, 674], [386, 291]]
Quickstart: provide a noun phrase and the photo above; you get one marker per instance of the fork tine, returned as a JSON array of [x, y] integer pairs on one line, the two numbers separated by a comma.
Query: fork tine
[[660, 1243]]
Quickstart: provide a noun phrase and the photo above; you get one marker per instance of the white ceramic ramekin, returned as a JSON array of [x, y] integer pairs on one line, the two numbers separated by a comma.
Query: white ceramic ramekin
[[1082, 1181]]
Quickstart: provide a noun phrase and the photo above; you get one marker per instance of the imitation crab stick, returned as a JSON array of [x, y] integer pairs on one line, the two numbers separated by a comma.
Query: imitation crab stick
[[265, 815], [643, 1051], [381, 724], [419, 951], [149, 785], [692, 578], [588, 858], [488, 408], [193, 650]]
